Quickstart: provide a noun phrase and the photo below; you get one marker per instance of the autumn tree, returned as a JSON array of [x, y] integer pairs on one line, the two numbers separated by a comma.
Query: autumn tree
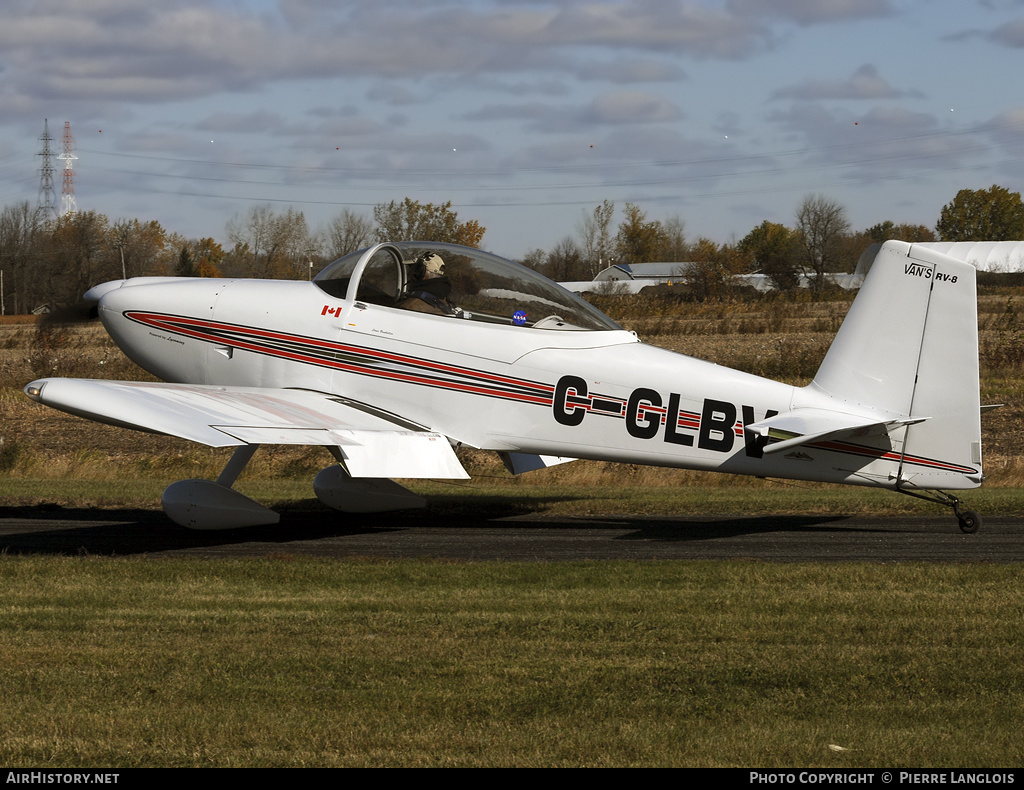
[[822, 227], [470, 233], [196, 257], [565, 262], [21, 233], [774, 248], [857, 243], [595, 232], [347, 232], [270, 244], [534, 259], [186, 267], [207, 255], [639, 240], [411, 220], [889, 230], [674, 246], [137, 246], [993, 214], [78, 256], [712, 270]]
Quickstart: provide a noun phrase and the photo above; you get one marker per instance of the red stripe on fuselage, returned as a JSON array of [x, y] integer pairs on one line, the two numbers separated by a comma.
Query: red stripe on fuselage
[[191, 327]]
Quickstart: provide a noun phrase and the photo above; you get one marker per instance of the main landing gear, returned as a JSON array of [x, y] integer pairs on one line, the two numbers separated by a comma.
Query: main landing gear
[[969, 520], [208, 504]]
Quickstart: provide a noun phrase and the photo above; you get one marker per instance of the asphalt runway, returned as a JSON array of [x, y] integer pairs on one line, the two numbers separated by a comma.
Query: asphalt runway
[[519, 538]]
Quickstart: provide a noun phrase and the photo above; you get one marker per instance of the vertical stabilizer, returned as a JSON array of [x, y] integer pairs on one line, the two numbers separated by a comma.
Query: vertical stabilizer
[[909, 348]]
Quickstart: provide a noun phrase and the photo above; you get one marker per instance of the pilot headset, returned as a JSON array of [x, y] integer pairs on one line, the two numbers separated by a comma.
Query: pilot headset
[[428, 262]]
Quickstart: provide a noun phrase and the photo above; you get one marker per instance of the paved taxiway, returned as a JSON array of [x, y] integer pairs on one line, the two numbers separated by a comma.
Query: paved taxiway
[[475, 537]]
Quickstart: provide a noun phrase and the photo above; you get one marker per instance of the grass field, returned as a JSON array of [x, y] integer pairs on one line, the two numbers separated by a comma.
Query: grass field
[[286, 661], [295, 662]]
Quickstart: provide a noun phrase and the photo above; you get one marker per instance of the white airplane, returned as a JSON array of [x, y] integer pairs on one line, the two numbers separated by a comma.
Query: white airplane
[[395, 355]]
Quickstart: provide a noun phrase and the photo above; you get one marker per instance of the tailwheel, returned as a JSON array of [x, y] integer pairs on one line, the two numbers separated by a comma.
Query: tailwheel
[[969, 520]]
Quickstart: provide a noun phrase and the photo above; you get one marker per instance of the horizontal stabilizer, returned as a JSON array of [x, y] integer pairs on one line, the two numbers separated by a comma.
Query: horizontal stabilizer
[[806, 426]]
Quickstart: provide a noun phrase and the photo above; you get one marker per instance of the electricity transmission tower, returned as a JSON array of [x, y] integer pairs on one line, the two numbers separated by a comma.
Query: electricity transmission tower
[[67, 196], [46, 203]]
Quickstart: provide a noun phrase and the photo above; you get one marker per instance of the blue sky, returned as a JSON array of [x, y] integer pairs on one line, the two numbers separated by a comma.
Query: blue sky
[[525, 115]]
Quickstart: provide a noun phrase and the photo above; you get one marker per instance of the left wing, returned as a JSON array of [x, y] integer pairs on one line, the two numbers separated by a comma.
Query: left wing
[[372, 443]]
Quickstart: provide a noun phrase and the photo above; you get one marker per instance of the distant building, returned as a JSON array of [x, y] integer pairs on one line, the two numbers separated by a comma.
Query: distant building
[[626, 278], [629, 278]]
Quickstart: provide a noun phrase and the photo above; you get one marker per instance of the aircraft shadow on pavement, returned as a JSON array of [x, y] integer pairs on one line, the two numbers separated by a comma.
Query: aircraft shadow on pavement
[[127, 532], [121, 532], [692, 529]]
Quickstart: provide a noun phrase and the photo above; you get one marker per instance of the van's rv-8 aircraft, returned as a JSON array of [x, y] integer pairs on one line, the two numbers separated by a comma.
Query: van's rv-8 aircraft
[[395, 355]]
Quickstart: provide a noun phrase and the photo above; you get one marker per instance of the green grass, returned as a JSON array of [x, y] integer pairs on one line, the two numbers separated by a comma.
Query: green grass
[[757, 498], [288, 661], [493, 498]]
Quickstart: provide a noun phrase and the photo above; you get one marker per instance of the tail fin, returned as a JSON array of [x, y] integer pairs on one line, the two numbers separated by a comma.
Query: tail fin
[[909, 348]]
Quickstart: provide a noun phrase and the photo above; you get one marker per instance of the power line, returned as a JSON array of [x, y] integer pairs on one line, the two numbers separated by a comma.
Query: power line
[[728, 158]]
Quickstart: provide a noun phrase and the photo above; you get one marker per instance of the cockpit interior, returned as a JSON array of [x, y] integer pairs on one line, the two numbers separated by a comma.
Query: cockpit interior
[[458, 282]]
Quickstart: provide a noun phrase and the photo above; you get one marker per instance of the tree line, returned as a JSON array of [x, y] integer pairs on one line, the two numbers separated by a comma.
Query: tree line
[[53, 262], [820, 241]]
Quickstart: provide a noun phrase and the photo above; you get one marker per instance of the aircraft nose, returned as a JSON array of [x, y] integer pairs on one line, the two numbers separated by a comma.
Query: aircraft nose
[[119, 300], [141, 293], [112, 305], [138, 314], [94, 294], [111, 301]]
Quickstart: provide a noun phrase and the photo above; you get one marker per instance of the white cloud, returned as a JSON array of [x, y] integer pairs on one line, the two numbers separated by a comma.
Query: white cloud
[[130, 50], [393, 93], [630, 107], [864, 83], [608, 109], [813, 12], [1010, 34], [882, 143], [630, 70], [688, 28]]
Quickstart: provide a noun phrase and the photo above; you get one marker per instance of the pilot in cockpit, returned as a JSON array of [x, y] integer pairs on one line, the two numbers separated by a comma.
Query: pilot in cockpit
[[428, 288]]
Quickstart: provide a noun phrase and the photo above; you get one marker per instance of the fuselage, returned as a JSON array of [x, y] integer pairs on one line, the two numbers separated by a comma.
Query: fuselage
[[595, 393]]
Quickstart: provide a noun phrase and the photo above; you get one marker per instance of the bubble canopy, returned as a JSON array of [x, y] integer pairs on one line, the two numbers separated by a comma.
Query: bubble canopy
[[458, 282]]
